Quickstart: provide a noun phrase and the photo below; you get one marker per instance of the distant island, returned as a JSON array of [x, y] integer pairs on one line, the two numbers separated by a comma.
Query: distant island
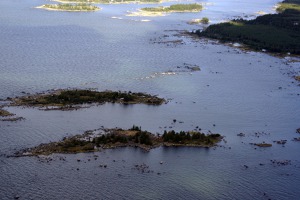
[[109, 1], [159, 11], [204, 20], [74, 99], [8, 117], [80, 7], [175, 8], [4, 113], [96, 140], [278, 33]]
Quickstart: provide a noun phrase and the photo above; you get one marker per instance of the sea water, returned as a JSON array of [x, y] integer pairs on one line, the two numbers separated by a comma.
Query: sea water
[[235, 91]]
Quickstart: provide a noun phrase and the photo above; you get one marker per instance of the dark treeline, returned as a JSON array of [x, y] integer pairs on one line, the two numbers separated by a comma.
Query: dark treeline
[[175, 8], [72, 7], [141, 137], [134, 137], [85, 96], [189, 137], [273, 32], [71, 97]]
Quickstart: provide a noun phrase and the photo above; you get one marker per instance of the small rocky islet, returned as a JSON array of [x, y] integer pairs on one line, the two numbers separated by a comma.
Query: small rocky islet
[[74, 99], [96, 140], [4, 113], [7, 116]]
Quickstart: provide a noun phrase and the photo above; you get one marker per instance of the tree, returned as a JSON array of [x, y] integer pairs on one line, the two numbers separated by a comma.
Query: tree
[[204, 20]]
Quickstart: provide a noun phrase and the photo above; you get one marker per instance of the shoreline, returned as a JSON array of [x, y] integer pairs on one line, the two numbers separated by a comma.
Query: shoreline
[[62, 10], [142, 13], [279, 27], [100, 139], [72, 99], [243, 47]]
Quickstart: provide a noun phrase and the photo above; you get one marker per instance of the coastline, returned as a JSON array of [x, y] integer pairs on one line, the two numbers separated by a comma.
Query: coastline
[[142, 13], [62, 10], [100, 139], [74, 99], [278, 31]]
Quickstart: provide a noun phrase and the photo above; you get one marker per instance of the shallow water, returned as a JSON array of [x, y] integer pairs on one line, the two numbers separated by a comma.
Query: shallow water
[[234, 92]]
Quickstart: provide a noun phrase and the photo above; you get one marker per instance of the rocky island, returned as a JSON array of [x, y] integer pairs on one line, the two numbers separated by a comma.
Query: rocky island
[[161, 10], [99, 139], [74, 99], [80, 7], [4, 113], [8, 117]]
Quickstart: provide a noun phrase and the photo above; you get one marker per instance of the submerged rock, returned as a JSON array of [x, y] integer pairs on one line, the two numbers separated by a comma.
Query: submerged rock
[[241, 134], [263, 144]]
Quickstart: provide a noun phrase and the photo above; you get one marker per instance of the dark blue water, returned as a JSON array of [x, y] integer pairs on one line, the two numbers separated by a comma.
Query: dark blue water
[[234, 92]]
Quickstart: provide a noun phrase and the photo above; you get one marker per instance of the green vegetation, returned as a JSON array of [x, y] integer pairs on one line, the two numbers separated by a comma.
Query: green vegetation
[[4, 113], [113, 138], [6, 116], [274, 32], [110, 1], [68, 98], [73, 145], [190, 138], [175, 8], [288, 4], [71, 7], [205, 20], [136, 137]]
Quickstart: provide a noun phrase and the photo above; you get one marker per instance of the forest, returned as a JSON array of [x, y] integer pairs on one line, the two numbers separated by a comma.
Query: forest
[[279, 33]]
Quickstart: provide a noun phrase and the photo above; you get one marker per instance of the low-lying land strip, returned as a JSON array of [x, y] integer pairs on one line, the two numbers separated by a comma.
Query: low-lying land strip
[[175, 8], [99, 139], [204, 20], [6, 116], [161, 10], [278, 33], [109, 1], [73, 99], [263, 144], [80, 7], [4, 113]]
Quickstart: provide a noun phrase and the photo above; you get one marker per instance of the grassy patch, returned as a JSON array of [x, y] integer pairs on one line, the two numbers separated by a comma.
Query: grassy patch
[[112, 138], [71, 7], [288, 4], [4, 113], [66, 98], [175, 8], [204, 20]]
